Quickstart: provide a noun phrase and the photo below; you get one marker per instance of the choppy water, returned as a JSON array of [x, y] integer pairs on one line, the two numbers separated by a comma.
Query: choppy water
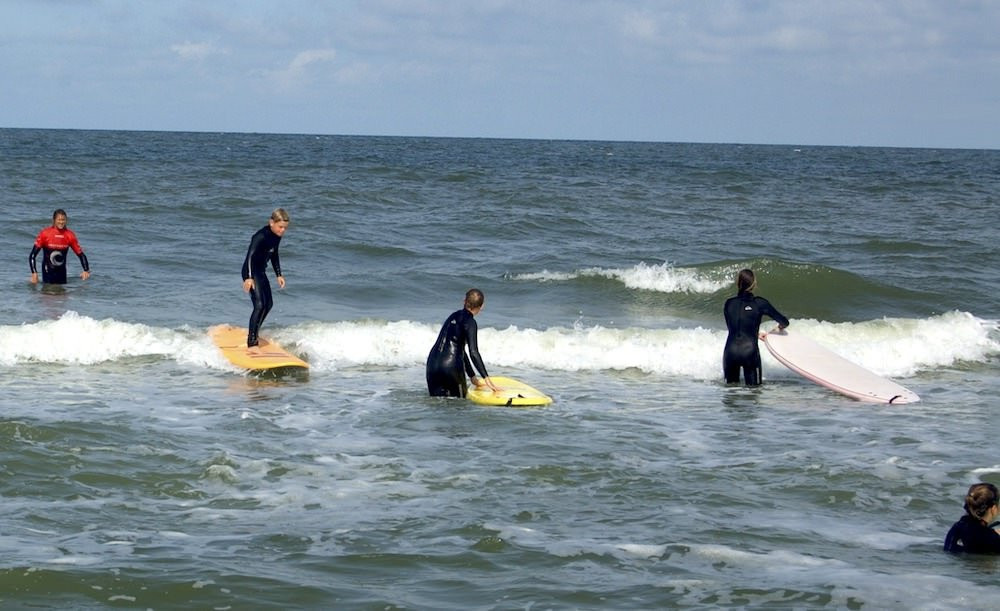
[[139, 470]]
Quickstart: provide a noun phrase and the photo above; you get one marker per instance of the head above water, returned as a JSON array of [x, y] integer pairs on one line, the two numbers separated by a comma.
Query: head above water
[[745, 281], [279, 221], [59, 218], [474, 299], [980, 499]]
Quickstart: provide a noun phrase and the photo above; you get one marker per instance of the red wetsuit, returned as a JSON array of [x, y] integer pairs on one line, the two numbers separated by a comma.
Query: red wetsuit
[[54, 243]]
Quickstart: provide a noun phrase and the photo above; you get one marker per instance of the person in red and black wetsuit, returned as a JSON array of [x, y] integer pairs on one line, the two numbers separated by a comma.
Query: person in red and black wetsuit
[[743, 315], [447, 362], [263, 248], [54, 242]]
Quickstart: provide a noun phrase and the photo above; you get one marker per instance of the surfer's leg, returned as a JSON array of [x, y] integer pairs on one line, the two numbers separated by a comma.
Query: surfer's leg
[[260, 297], [445, 375], [731, 366], [439, 385], [752, 373]]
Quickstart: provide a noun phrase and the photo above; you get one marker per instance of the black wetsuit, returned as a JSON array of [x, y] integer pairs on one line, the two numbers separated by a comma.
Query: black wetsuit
[[972, 536], [743, 315], [263, 247], [448, 363]]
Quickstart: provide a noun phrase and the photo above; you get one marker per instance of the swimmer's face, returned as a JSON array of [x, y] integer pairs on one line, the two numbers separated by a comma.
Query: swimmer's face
[[279, 227], [59, 221]]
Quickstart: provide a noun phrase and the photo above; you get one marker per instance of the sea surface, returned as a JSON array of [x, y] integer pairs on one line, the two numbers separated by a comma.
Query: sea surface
[[139, 470]]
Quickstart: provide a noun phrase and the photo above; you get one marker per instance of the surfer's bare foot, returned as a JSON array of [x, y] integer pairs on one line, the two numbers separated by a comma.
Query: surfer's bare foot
[[253, 350]]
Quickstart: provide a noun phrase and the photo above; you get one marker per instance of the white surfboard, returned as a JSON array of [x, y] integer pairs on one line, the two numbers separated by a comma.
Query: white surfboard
[[827, 368]]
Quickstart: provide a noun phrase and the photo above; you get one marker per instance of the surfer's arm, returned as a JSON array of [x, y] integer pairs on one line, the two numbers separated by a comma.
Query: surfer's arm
[[276, 262], [31, 263], [773, 312], [472, 340], [248, 271], [84, 263]]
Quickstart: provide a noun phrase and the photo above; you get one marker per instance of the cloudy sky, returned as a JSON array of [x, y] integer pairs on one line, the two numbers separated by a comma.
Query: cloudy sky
[[915, 73]]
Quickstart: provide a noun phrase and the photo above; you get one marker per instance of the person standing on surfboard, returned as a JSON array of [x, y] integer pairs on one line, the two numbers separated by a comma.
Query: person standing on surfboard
[[263, 248], [743, 315], [448, 362], [55, 242], [974, 533]]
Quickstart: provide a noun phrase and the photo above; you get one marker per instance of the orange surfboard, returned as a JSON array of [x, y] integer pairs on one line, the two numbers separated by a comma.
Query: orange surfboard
[[232, 341]]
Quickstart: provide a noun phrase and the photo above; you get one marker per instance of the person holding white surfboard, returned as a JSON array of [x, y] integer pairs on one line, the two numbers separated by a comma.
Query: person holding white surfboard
[[263, 248], [744, 313], [447, 362], [974, 533]]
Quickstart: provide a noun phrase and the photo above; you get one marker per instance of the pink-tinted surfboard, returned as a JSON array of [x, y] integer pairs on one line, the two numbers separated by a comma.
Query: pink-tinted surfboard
[[827, 368]]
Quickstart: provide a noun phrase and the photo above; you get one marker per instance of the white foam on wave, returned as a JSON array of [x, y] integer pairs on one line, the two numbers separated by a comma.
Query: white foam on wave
[[663, 277], [76, 339], [890, 347]]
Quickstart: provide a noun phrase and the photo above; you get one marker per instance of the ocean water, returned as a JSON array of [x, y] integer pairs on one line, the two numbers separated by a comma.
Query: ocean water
[[139, 470]]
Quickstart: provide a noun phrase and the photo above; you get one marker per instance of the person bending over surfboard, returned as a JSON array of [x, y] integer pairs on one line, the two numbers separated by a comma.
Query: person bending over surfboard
[[263, 247], [974, 533], [448, 362], [54, 242], [743, 315]]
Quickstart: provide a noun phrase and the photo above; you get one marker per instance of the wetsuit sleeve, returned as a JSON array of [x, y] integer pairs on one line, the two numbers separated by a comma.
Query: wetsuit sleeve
[[468, 366], [39, 245], [766, 308], [73, 242], [83, 261], [276, 261], [255, 243], [32, 257], [471, 334]]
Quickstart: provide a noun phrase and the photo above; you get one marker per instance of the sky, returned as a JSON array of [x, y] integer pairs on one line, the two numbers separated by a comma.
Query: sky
[[908, 73]]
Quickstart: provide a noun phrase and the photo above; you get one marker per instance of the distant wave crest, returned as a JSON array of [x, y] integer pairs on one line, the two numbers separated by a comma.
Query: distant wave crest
[[663, 277]]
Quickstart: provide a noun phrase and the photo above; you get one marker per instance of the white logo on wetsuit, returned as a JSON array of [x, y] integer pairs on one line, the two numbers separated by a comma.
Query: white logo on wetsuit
[[57, 258], [748, 308]]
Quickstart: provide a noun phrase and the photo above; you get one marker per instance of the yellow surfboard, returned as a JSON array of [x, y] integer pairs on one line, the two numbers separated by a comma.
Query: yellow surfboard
[[512, 393], [233, 343]]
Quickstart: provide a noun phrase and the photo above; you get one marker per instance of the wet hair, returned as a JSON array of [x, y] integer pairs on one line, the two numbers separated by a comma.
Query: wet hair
[[474, 298], [279, 215], [745, 281], [58, 212], [980, 499]]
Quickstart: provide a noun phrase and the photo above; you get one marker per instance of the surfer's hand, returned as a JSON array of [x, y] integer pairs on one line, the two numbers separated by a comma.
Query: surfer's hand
[[84, 275], [34, 278], [281, 282], [247, 285]]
